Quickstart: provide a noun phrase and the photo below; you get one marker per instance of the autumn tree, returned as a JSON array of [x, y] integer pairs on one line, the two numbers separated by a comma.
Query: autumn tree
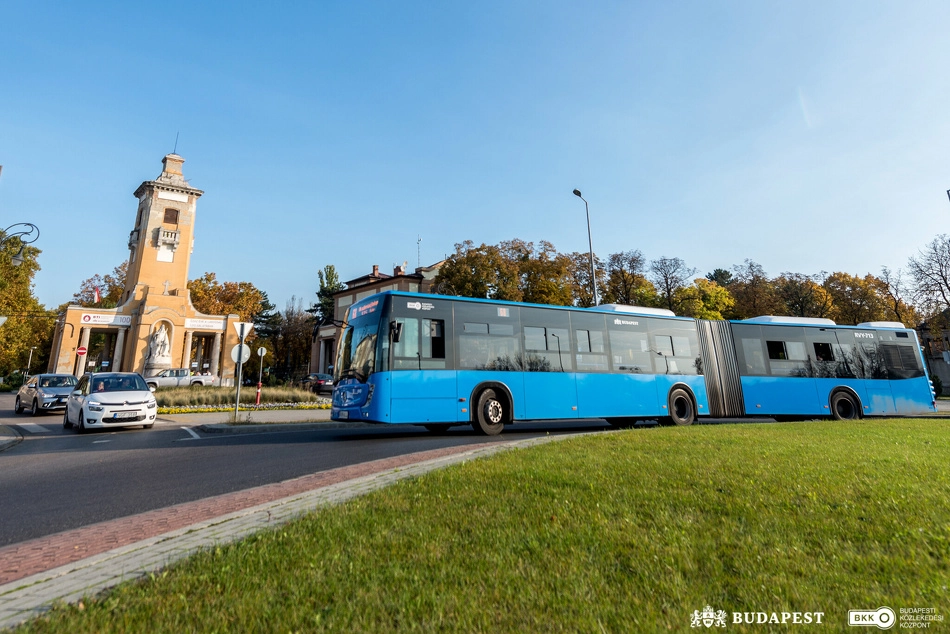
[[543, 273], [896, 295], [111, 287], [579, 276], [28, 323], [668, 276], [753, 291], [478, 272], [703, 300], [930, 274], [627, 282], [212, 297], [802, 296], [291, 340], [856, 299]]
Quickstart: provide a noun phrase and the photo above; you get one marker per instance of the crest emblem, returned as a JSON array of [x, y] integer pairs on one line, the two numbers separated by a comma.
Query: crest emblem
[[708, 618]]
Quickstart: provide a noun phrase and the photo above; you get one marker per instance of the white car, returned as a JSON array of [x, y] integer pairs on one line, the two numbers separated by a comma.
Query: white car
[[110, 399]]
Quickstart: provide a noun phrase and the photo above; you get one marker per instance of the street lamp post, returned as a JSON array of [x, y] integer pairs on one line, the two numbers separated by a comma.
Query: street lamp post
[[26, 236], [29, 362], [590, 246]]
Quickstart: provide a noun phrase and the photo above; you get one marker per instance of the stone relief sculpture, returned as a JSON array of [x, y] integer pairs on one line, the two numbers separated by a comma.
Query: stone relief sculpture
[[158, 347]]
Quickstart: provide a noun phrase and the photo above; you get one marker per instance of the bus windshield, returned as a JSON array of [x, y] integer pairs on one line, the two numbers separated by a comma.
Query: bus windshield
[[356, 356]]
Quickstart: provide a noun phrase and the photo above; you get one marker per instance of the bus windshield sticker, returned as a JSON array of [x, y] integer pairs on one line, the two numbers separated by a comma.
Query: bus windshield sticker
[[504, 311]]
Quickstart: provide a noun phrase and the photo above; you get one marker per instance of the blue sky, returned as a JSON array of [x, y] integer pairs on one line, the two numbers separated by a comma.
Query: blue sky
[[807, 136]]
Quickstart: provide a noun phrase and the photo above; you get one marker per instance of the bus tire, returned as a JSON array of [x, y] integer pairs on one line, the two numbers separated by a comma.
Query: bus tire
[[490, 415], [844, 406], [682, 410]]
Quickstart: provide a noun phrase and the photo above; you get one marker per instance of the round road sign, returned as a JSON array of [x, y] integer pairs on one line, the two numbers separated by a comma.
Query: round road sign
[[81, 351], [261, 351], [242, 350]]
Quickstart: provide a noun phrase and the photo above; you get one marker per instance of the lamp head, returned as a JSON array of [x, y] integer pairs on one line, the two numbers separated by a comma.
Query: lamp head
[[17, 259], [577, 193]]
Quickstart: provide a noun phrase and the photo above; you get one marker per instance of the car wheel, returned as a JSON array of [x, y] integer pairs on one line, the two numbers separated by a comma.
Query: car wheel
[[18, 408], [81, 428], [66, 423], [35, 410]]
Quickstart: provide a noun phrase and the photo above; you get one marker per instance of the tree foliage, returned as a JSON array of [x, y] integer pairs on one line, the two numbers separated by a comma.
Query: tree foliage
[[111, 287], [212, 297], [703, 300], [329, 284], [669, 276], [28, 323]]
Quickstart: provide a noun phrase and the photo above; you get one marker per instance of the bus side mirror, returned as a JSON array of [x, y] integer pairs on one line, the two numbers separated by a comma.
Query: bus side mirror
[[395, 331]]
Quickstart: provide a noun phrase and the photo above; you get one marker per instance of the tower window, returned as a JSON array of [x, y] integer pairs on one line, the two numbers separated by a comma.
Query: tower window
[[171, 217]]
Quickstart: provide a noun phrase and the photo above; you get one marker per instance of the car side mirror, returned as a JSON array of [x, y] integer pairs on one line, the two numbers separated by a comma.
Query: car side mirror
[[77, 392]]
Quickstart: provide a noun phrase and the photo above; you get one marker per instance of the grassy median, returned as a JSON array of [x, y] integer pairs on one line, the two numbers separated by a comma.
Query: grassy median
[[623, 532]]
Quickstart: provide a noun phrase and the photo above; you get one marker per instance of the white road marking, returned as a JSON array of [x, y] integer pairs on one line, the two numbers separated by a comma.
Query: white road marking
[[96, 442], [193, 434], [33, 428]]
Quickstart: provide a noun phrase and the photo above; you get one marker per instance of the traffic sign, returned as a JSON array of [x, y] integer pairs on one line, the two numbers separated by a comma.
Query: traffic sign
[[81, 350], [261, 351], [242, 352], [243, 328]]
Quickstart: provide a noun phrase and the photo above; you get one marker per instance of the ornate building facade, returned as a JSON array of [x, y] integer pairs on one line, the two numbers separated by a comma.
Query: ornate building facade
[[155, 326]]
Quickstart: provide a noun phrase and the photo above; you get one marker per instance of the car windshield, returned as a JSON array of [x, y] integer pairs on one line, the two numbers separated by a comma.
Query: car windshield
[[126, 383], [58, 381]]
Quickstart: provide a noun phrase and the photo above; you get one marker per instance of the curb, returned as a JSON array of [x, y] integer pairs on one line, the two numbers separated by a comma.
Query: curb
[[231, 428], [9, 437], [32, 596]]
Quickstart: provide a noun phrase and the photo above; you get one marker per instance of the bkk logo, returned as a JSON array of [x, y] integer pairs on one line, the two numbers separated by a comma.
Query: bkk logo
[[882, 618]]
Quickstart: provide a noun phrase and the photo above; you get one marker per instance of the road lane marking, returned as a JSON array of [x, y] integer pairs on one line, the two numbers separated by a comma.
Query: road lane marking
[[96, 442], [33, 428], [193, 434]]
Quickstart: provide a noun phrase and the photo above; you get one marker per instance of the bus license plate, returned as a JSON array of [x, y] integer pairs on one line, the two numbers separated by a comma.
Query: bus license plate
[[344, 414], [124, 415]]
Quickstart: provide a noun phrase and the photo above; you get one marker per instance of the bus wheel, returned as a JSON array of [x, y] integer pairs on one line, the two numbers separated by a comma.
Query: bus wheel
[[490, 415], [682, 411], [438, 429], [843, 407]]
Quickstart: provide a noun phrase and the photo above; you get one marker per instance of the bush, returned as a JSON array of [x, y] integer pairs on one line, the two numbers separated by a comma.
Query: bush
[[211, 396], [938, 384]]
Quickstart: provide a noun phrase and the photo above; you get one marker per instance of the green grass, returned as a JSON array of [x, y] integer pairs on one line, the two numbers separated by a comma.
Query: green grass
[[212, 396], [622, 532]]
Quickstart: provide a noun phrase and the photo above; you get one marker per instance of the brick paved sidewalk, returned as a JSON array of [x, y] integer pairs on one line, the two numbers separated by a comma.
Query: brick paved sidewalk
[[83, 562]]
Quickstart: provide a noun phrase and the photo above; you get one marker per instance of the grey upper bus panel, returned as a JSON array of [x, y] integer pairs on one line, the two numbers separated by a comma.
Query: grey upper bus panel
[[638, 310], [788, 319]]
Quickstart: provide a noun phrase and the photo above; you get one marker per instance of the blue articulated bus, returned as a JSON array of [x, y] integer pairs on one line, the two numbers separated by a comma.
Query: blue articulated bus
[[438, 361]]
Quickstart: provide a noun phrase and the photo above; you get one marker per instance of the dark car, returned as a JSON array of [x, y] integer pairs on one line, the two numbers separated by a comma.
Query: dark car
[[319, 383], [45, 393]]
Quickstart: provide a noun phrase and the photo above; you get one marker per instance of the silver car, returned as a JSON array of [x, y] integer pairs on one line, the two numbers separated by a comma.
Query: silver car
[[110, 399], [44, 393]]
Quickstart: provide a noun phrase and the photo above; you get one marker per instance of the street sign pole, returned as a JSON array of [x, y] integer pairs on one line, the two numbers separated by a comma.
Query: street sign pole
[[260, 375], [243, 330]]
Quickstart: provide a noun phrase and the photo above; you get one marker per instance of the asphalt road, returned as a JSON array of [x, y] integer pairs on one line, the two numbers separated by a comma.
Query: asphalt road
[[57, 480]]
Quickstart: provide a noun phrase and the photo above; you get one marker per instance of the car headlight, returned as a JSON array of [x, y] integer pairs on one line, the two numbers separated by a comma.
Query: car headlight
[[94, 406], [151, 404]]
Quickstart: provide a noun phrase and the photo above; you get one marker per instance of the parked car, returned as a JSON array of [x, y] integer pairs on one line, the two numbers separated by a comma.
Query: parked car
[[319, 383], [44, 393], [110, 399], [178, 377]]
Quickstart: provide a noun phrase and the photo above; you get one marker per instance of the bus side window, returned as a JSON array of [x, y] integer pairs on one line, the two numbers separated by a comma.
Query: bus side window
[[433, 339]]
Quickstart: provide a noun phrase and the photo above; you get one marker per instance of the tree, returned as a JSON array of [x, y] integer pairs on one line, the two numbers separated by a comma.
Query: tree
[[578, 273], [291, 341], [802, 296], [930, 272], [626, 280], [543, 273], [668, 276], [703, 300], [212, 297], [895, 292], [111, 286], [753, 291], [477, 272], [28, 323], [856, 299], [329, 284], [722, 277]]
